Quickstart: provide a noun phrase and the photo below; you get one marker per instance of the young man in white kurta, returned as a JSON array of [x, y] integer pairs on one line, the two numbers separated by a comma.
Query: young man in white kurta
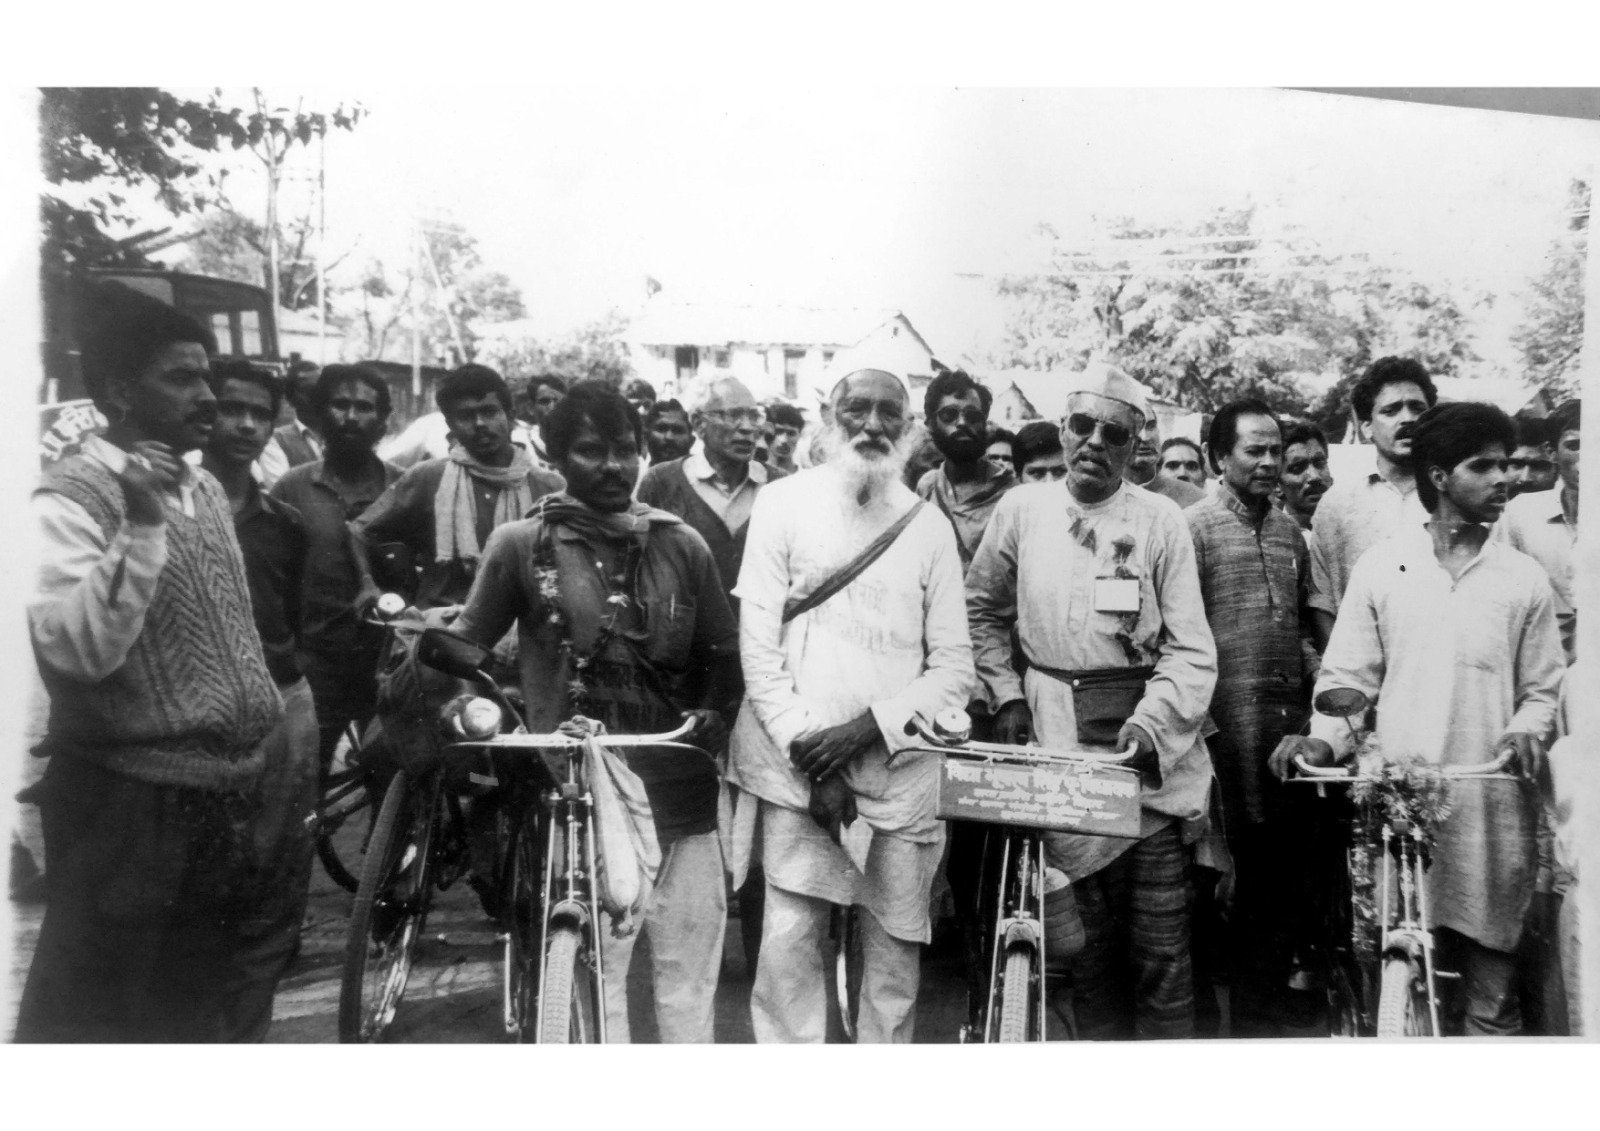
[[893, 643], [1460, 667]]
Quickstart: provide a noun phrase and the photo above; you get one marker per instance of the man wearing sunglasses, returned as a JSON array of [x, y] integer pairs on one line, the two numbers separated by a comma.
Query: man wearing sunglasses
[[968, 484], [1098, 579]]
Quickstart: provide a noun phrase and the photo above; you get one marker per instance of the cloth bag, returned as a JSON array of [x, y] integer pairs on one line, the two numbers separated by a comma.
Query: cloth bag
[[629, 854]]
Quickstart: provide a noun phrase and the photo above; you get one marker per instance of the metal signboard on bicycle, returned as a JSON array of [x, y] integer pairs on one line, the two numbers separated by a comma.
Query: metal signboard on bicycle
[[1043, 791]]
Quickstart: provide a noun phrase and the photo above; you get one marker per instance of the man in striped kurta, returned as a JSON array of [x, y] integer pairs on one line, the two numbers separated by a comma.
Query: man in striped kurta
[[1254, 574]]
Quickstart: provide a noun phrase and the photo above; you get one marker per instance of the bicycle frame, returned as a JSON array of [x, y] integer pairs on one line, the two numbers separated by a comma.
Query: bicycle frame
[[569, 890], [1018, 889], [1402, 909]]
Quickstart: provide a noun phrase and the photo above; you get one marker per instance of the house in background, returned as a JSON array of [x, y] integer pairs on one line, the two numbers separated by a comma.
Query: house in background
[[1021, 395], [786, 352]]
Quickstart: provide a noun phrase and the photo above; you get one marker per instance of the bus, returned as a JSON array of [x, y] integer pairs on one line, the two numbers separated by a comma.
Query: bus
[[239, 314]]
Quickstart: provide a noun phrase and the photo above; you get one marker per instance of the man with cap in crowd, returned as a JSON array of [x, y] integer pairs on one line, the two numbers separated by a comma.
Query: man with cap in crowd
[[852, 621], [1098, 580], [160, 702]]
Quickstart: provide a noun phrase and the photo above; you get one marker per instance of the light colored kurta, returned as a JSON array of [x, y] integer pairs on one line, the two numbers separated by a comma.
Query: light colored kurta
[[1537, 525], [1356, 514], [894, 641], [1037, 568], [1453, 666]]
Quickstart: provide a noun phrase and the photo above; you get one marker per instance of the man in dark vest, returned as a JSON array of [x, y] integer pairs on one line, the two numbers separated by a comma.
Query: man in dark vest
[[160, 700], [713, 490]]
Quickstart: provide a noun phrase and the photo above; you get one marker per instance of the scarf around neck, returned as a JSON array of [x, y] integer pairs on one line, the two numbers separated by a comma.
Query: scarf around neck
[[561, 509], [455, 529]]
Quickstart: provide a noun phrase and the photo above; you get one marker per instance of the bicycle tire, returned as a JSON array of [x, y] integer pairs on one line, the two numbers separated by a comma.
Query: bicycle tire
[[382, 947], [343, 796], [1402, 1005], [1015, 993], [523, 914], [567, 1011]]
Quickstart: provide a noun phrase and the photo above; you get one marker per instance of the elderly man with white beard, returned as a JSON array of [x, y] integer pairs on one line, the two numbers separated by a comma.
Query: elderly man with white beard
[[853, 621]]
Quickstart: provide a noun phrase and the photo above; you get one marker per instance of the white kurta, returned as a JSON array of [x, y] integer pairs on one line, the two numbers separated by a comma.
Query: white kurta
[[1454, 665], [894, 641], [1038, 568]]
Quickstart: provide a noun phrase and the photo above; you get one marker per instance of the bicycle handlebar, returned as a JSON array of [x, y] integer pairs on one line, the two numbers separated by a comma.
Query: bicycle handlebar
[[998, 749], [557, 740], [1349, 772]]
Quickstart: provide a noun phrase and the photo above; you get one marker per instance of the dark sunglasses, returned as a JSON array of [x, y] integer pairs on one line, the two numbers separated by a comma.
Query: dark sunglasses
[[1082, 425]]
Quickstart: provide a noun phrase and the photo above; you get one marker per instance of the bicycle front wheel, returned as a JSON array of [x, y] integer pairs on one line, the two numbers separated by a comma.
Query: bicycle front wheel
[[1403, 1000], [523, 911], [1020, 968], [569, 1012], [390, 907]]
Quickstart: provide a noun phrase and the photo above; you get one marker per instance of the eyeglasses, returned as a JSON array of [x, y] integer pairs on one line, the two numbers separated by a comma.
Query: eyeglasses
[[950, 414], [737, 416], [1082, 425]]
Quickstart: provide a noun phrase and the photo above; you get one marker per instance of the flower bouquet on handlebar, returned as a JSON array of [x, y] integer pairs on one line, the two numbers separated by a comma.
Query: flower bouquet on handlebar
[[1380, 966]]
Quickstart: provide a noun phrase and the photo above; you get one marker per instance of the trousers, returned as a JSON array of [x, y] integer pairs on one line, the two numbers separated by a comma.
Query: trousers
[[1133, 977], [1488, 997], [789, 1003], [157, 899], [685, 916]]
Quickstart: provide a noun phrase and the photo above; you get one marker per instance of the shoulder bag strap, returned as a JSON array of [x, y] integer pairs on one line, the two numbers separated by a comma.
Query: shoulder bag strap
[[853, 568]]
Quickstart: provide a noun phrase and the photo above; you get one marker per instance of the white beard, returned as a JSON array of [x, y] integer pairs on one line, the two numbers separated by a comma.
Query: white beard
[[866, 475]]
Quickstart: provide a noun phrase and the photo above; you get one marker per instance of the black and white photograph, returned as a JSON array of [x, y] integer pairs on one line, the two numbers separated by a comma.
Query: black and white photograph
[[803, 564]]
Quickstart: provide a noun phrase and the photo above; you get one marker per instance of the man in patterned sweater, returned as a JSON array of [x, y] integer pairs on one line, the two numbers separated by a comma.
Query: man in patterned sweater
[[159, 704]]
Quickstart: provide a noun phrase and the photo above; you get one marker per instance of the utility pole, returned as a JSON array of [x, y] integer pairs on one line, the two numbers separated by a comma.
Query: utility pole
[[416, 328], [322, 248]]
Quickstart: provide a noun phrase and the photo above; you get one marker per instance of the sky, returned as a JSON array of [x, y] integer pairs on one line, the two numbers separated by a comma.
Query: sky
[[917, 199]]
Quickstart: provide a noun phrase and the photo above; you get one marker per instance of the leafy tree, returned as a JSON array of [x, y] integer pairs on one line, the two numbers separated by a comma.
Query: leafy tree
[[445, 288], [1207, 314], [231, 245], [1550, 337], [106, 150], [596, 352]]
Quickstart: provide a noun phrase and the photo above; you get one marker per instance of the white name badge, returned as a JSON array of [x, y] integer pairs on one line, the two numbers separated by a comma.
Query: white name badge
[[1116, 594]]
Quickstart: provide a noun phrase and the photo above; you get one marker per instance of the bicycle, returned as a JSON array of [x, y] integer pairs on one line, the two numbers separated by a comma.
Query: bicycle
[[1382, 937], [347, 787], [1022, 791], [419, 843], [547, 859]]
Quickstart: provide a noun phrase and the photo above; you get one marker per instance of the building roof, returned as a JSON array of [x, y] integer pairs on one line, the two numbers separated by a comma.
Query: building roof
[[666, 322]]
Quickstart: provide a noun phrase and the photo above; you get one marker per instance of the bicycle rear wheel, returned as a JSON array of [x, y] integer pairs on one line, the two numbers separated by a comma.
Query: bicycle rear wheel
[[1020, 968], [344, 798], [390, 906], [569, 1012], [1403, 1000]]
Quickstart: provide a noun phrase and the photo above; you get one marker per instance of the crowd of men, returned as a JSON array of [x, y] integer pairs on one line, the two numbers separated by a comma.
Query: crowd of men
[[802, 590]]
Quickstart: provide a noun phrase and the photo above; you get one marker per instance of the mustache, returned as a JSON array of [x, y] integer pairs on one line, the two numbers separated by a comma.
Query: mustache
[[202, 414]]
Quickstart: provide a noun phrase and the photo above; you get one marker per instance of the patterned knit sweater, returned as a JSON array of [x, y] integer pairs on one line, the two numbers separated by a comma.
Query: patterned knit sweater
[[193, 700]]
